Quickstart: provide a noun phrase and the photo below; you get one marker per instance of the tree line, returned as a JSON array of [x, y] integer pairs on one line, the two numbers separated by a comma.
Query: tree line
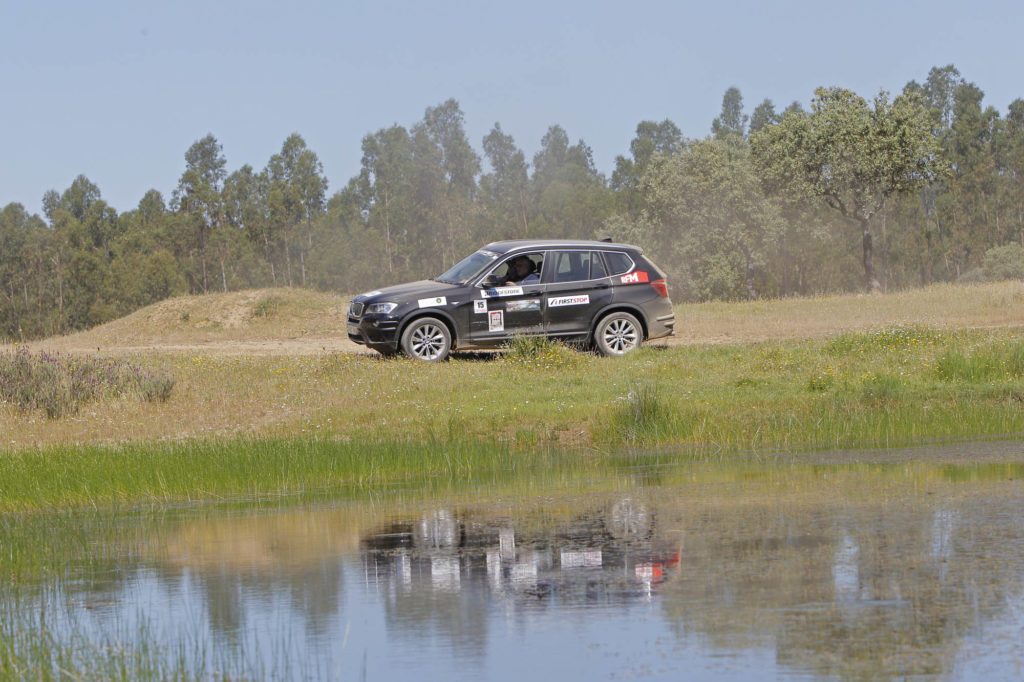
[[848, 194]]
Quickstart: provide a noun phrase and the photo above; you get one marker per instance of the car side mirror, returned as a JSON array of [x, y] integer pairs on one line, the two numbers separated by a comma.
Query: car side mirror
[[492, 281]]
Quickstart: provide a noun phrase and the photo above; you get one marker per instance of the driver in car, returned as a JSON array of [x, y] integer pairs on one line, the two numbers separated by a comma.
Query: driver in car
[[521, 270]]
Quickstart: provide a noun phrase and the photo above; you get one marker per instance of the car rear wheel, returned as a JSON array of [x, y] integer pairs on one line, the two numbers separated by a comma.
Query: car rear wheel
[[617, 334], [427, 339]]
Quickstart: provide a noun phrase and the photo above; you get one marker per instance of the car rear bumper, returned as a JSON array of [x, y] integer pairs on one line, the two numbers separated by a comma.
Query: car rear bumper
[[662, 326]]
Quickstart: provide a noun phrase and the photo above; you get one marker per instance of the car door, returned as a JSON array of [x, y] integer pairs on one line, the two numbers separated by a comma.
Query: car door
[[501, 312], [578, 287]]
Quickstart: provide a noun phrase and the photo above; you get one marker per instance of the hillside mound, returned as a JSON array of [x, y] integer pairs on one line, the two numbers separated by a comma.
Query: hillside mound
[[255, 321]]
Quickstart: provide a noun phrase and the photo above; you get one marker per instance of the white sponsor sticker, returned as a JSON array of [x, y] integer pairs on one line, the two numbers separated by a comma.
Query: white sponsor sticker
[[432, 302], [480, 305], [501, 291], [496, 321], [568, 300]]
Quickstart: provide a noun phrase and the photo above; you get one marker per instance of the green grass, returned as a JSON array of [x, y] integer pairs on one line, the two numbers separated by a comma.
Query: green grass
[[167, 474], [256, 427]]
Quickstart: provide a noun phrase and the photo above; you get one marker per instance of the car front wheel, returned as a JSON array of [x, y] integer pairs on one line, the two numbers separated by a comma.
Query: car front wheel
[[427, 339], [617, 334]]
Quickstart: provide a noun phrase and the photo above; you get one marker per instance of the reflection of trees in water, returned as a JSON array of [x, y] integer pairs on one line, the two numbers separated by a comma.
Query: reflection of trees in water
[[239, 563], [857, 592], [839, 588]]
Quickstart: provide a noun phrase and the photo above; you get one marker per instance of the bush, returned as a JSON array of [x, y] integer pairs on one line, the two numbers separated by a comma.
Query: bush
[[1003, 262], [539, 351], [60, 386]]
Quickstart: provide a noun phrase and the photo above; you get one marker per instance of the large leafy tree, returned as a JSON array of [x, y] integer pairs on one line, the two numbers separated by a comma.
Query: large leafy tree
[[651, 138], [852, 156], [706, 208]]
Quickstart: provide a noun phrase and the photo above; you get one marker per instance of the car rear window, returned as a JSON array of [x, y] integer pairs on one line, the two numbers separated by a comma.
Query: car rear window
[[618, 262], [578, 266]]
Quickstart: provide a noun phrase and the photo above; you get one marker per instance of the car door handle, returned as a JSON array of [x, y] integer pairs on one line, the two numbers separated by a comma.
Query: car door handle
[[535, 292]]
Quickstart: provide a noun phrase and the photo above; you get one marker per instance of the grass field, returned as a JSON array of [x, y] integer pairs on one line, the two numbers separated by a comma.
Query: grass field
[[945, 363]]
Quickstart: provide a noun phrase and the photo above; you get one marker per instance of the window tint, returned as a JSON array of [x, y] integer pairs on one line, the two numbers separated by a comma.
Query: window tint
[[618, 262], [572, 266], [597, 270]]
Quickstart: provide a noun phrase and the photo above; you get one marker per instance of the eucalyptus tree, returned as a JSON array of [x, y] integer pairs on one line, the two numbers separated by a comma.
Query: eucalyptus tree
[[452, 202], [852, 156], [651, 138], [732, 120], [385, 187], [247, 212], [296, 187], [76, 199], [1011, 152], [764, 115], [571, 197], [503, 191], [198, 198]]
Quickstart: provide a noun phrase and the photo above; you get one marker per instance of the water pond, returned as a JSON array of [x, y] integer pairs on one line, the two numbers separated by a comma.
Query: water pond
[[875, 565]]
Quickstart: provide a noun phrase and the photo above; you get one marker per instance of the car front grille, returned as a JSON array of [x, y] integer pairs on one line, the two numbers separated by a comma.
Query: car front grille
[[355, 310]]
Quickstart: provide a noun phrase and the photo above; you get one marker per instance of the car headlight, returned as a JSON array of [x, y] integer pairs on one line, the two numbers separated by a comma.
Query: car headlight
[[381, 308]]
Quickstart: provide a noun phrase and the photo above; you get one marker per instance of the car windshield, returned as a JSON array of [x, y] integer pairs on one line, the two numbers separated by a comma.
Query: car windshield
[[467, 268]]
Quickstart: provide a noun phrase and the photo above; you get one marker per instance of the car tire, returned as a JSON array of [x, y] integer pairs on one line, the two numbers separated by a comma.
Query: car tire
[[427, 339], [618, 334]]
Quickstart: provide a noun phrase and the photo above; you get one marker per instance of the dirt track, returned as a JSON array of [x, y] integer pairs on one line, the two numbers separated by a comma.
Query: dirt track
[[281, 347]]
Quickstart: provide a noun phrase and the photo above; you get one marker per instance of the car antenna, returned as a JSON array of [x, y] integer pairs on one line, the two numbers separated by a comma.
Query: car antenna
[[607, 240]]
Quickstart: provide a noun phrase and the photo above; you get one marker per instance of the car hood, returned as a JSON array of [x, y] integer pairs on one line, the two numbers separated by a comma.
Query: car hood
[[410, 291]]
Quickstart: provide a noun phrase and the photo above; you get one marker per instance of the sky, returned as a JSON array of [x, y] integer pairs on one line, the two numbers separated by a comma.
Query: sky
[[118, 91]]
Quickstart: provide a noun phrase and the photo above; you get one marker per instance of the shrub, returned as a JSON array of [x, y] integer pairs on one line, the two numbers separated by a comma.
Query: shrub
[[1003, 262], [538, 351], [267, 306], [60, 386]]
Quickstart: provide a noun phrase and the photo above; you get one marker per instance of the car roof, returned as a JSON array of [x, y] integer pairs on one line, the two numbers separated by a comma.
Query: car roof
[[511, 245]]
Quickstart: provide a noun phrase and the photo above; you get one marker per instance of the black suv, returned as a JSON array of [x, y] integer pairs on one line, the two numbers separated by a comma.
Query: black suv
[[586, 292]]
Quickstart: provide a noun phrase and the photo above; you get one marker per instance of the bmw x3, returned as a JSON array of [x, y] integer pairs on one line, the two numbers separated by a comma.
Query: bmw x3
[[596, 294]]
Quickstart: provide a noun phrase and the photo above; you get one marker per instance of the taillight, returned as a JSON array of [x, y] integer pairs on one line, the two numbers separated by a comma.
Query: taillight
[[661, 287]]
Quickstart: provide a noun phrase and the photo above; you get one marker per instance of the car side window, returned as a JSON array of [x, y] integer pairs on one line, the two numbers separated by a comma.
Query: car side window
[[618, 262], [573, 266], [506, 270], [597, 269]]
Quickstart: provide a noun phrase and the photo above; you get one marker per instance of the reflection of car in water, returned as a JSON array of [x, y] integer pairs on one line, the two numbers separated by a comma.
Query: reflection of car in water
[[584, 559], [607, 295]]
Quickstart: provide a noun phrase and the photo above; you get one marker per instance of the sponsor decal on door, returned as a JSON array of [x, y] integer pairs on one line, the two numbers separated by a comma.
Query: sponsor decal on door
[[513, 306], [634, 277], [433, 302], [496, 321], [501, 291], [568, 300], [480, 305]]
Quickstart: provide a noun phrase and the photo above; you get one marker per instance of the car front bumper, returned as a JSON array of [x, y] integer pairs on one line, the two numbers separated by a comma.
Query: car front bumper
[[374, 331]]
